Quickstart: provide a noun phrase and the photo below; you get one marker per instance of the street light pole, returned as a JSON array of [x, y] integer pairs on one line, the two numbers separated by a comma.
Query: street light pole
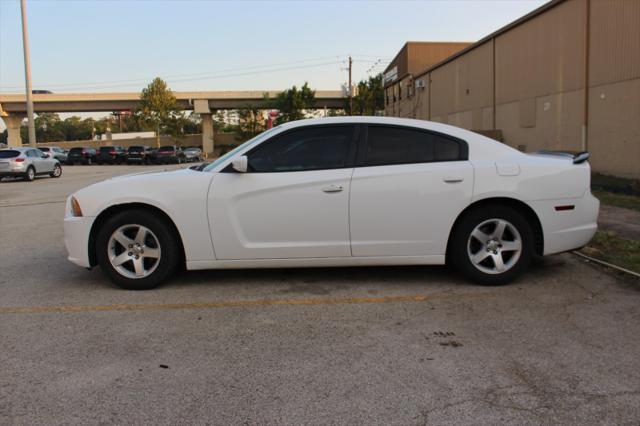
[[27, 74], [350, 87]]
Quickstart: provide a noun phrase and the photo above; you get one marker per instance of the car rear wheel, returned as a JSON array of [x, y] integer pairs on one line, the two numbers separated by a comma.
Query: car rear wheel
[[491, 245], [57, 171], [30, 175], [137, 249]]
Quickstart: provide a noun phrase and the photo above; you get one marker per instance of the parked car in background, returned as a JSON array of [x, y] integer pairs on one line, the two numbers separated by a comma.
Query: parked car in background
[[28, 163], [111, 155], [139, 154], [81, 155], [169, 154], [55, 152], [192, 155], [343, 191]]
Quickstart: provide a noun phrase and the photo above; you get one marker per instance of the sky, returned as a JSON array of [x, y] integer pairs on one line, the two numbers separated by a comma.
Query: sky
[[117, 46]]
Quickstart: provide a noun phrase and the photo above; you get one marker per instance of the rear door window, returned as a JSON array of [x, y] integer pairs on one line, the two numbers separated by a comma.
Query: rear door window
[[389, 145]]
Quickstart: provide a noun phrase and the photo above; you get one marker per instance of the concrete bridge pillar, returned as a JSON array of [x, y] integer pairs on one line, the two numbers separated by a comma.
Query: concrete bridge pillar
[[13, 123], [201, 106]]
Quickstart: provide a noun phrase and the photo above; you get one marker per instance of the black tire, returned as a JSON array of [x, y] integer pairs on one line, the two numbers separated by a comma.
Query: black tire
[[57, 171], [30, 175], [170, 251], [461, 246]]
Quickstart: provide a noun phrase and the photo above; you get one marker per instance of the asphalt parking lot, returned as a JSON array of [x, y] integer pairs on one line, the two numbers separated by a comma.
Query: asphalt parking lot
[[395, 345]]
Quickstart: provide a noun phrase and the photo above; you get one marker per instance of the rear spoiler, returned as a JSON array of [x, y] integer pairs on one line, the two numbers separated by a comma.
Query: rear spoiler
[[576, 157]]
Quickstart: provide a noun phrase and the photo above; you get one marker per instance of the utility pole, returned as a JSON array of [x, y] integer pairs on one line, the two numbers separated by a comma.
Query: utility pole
[[350, 86], [27, 74]]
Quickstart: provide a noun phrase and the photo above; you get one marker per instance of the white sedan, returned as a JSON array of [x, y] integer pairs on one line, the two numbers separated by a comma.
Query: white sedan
[[348, 191]]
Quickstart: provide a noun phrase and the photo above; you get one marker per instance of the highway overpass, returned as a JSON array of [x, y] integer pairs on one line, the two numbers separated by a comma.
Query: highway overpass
[[13, 107]]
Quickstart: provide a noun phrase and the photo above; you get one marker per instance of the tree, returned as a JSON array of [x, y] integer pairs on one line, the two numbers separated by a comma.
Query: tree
[[370, 97], [158, 108], [293, 102]]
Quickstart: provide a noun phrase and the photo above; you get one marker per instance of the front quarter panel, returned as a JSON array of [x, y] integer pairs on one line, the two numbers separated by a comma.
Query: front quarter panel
[[181, 194]]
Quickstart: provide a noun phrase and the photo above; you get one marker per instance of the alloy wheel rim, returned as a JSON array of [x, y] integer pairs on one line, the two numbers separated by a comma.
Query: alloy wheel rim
[[32, 174], [57, 171], [134, 251], [494, 246]]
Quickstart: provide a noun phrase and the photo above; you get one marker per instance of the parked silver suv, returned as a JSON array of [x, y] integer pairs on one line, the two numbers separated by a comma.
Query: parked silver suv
[[27, 163]]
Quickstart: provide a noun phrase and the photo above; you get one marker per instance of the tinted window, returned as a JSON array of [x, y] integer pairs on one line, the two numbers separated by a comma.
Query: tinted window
[[75, 150], [44, 149], [397, 145], [136, 149], [325, 147], [9, 154], [107, 149], [167, 148]]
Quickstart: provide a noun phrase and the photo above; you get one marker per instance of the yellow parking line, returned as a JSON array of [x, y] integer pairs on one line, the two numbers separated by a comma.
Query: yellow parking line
[[229, 304]]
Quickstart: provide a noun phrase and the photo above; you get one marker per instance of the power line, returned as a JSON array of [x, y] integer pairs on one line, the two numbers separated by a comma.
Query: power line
[[187, 77]]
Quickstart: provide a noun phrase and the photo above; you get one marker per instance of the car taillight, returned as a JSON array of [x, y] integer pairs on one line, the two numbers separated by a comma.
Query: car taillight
[[112, 152], [19, 160]]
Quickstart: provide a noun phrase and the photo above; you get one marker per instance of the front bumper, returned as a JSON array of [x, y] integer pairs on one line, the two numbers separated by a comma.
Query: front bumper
[[76, 239]]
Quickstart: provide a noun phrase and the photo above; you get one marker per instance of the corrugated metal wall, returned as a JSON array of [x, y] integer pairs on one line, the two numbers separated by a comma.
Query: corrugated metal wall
[[539, 68]]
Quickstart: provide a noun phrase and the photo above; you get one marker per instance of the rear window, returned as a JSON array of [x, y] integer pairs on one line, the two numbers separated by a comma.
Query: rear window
[[9, 154], [106, 149], [136, 149], [75, 150], [166, 148], [45, 149]]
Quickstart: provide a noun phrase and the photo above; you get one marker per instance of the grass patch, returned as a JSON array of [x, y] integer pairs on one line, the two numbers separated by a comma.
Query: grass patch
[[611, 248], [618, 185], [618, 200]]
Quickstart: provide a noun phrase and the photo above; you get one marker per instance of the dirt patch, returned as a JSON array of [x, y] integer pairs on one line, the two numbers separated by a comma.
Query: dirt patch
[[623, 222]]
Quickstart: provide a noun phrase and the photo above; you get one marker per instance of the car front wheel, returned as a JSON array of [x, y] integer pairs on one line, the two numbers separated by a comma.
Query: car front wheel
[[492, 245], [137, 249]]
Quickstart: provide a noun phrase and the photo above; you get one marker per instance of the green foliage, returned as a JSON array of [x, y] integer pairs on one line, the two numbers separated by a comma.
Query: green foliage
[[611, 248], [618, 200], [158, 109], [615, 184], [292, 103], [370, 97], [250, 122]]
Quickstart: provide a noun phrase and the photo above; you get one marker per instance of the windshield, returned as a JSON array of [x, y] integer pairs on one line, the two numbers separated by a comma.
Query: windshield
[[247, 144], [44, 148]]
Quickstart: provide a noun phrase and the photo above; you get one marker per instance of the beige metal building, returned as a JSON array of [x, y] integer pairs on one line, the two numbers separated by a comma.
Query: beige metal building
[[564, 77]]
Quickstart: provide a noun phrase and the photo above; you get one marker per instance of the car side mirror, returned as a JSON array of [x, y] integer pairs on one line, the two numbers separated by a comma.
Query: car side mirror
[[240, 164]]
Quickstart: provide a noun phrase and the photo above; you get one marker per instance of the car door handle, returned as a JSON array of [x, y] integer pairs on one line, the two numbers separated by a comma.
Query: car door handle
[[453, 179], [332, 188]]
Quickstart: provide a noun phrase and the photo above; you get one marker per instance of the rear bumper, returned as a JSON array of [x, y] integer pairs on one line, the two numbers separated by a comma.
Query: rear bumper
[[567, 230], [76, 239]]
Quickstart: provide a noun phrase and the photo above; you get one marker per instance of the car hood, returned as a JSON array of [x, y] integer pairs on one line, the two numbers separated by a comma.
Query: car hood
[[156, 188]]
